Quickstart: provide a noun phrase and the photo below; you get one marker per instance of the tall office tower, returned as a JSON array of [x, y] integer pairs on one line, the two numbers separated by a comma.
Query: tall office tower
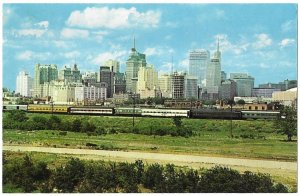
[[178, 85], [89, 78], [190, 87], [107, 76], [213, 76], [44, 74], [223, 76], [113, 65], [120, 83], [134, 62], [213, 72], [164, 83], [147, 81], [198, 62], [244, 83], [24, 84], [70, 75], [228, 90]]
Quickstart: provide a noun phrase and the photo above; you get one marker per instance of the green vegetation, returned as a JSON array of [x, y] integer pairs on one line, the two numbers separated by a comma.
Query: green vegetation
[[287, 124], [252, 139], [25, 174]]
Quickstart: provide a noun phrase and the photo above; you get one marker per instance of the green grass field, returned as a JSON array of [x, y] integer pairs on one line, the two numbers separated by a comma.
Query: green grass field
[[211, 137]]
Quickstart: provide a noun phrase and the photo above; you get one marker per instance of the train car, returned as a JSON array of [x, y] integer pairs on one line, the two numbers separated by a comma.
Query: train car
[[14, 107], [128, 111], [44, 108], [91, 110], [165, 113], [216, 114], [260, 115]]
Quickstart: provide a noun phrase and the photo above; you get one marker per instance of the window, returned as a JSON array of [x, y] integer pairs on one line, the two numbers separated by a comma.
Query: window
[[256, 108]]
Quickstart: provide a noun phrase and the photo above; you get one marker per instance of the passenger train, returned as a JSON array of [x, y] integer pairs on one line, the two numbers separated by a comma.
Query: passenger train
[[151, 112]]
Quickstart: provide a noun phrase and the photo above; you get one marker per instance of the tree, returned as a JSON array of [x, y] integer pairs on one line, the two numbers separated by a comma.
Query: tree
[[177, 121], [153, 177], [68, 177], [88, 127], [54, 123], [76, 125], [287, 122], [17, 115], [241, 102]]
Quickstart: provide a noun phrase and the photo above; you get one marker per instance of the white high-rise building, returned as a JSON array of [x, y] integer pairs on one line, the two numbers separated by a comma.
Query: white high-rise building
[[198, 62], [164, 83], [24, 84], [147, 81], [113, 65], [213, 72]]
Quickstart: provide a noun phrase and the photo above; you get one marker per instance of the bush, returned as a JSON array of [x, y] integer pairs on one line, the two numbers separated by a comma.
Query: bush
[[88, 127]]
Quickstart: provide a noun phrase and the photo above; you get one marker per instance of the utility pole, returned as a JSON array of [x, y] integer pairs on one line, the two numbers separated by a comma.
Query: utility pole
[[133, 112], [231, 102]]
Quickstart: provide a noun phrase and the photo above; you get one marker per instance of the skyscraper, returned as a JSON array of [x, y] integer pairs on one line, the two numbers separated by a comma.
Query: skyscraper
[[147, 81], [107, 76], [44, 74], [24, 84], [244, 83], [213, 73], [198, 62], [134, 62], [190, 87], [164, 83], [113, 65], [213, 76], [178, 85], [70, 75]]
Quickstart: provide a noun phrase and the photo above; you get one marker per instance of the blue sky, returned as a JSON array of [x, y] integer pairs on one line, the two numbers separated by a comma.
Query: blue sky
[[259, 39]]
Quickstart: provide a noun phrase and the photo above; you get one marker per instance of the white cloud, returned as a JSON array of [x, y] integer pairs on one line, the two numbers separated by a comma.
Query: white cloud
[[71, 55], [288, 26], [286, 42], [26, 55], [220, 14], [60, 44], [74, 33], [172, 24], [32, 32], [262, 40], [152, 52], [101, 58], [43, 24], [227, 46], [264, 66], [93, 17], [168, 37], [29, 55], [184, 65]]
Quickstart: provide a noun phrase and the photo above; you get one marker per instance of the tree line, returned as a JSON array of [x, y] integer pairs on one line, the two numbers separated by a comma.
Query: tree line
[[80, 176], [18, 119]]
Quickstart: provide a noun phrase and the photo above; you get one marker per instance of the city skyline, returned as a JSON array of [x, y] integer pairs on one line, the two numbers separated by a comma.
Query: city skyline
[[252, 40]]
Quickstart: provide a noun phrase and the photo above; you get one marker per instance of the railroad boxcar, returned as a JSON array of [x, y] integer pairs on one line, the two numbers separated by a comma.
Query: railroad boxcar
[[216, 114], [128, 111], [165, 113], [260, 115], [91, 110], [14, 107], [44, 108]]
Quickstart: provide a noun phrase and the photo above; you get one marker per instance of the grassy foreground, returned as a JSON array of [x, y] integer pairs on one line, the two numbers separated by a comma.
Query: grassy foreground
[[207, 144]]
